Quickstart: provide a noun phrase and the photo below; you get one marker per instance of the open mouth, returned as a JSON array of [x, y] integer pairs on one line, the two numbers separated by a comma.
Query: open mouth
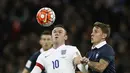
[[46, 44], [91, 38], [56, 37]]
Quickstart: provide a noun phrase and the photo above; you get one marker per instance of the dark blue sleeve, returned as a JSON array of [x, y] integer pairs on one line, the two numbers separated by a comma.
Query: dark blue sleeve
[[107, 54], [32, 61]]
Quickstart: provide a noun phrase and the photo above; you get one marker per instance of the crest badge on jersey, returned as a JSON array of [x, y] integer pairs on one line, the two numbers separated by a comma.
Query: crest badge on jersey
[[63, 52], [97, 55]]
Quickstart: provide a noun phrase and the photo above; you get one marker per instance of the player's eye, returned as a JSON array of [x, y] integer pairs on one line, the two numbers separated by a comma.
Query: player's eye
[[60, 31], [44, 39], [54, 31], [95, 31], [48, 39]]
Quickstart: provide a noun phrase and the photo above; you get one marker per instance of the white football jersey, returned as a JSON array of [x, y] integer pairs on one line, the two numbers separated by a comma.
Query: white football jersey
[[59, 60]]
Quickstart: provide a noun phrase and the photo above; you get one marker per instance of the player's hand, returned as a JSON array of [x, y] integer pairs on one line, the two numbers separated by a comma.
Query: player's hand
[[84, 60]]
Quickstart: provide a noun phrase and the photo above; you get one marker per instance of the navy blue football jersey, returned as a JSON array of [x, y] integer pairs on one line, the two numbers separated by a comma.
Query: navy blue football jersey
[[32, 61], [105, 52]]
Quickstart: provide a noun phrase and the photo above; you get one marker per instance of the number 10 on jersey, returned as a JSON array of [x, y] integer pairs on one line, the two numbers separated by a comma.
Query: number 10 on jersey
[[55, 64]]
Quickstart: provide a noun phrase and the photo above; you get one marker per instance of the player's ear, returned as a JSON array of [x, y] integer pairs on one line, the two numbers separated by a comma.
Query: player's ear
[[104, 35], [40, 42], [66, 37]]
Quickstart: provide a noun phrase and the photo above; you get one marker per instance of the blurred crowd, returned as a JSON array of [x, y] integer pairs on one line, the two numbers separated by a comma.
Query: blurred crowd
[[20, 32]]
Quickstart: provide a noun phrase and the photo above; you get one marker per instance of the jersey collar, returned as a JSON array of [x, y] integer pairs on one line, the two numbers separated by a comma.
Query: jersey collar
[[41, 50], [99, 45], [61, 46]]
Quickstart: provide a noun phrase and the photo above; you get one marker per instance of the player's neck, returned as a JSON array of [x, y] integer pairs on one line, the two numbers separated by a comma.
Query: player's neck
[[98, 42], [56, 45], [45, 49]]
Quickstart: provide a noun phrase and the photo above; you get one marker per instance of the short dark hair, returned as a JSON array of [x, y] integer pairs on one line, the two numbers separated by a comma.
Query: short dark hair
[[46, 32], [59, 25], [104, 27]]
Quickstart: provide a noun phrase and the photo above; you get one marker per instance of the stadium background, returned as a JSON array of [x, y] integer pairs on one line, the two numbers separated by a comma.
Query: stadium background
[[19, 31]]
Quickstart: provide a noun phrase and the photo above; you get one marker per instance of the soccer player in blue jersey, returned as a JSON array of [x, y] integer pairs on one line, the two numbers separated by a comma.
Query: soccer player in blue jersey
[[46, 43], [101, 57]]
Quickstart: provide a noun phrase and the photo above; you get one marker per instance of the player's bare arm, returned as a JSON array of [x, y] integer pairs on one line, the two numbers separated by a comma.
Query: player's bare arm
[[25, 71], [77, 59], [98, 66], [81, 67]]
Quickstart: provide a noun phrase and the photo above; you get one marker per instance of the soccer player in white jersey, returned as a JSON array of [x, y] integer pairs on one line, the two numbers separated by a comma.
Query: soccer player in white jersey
[[46, 43], [61, 58]]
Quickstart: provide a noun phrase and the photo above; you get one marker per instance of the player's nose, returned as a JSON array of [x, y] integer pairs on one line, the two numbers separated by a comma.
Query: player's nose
[[91, 34], [56, 34]]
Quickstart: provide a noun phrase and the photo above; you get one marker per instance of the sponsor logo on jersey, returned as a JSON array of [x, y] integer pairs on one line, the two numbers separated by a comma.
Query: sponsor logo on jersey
[[97, 55], [46, 56]]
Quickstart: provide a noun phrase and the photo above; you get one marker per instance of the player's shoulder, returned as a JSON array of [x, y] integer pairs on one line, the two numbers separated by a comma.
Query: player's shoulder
[[70, 47], [41, 50], [35, 55], [37, 52], [47, 52], [108, 49]]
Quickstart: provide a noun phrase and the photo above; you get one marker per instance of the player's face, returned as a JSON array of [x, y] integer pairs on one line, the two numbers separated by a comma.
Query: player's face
[[97, 35], [46, 42], [59, 35]]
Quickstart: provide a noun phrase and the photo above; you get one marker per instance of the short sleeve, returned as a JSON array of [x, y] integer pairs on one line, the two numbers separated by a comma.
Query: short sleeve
[[107, 54], [40, 59], [32, 61], [76, 52]]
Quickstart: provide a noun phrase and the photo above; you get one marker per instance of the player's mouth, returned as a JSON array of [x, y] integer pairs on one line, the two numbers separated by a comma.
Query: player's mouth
[[46, 45], [56, 37], [91, 38]]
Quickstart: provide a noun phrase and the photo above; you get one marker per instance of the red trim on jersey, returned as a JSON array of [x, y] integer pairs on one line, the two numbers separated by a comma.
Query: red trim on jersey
[[40, 66]]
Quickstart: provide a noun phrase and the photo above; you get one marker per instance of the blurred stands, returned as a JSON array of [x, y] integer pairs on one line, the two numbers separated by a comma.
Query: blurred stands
[[19, 31]]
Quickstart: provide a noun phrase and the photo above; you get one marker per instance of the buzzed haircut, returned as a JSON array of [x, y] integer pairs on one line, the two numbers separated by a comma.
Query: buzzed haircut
[[46, 32], [104, 27], [59, 25]]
